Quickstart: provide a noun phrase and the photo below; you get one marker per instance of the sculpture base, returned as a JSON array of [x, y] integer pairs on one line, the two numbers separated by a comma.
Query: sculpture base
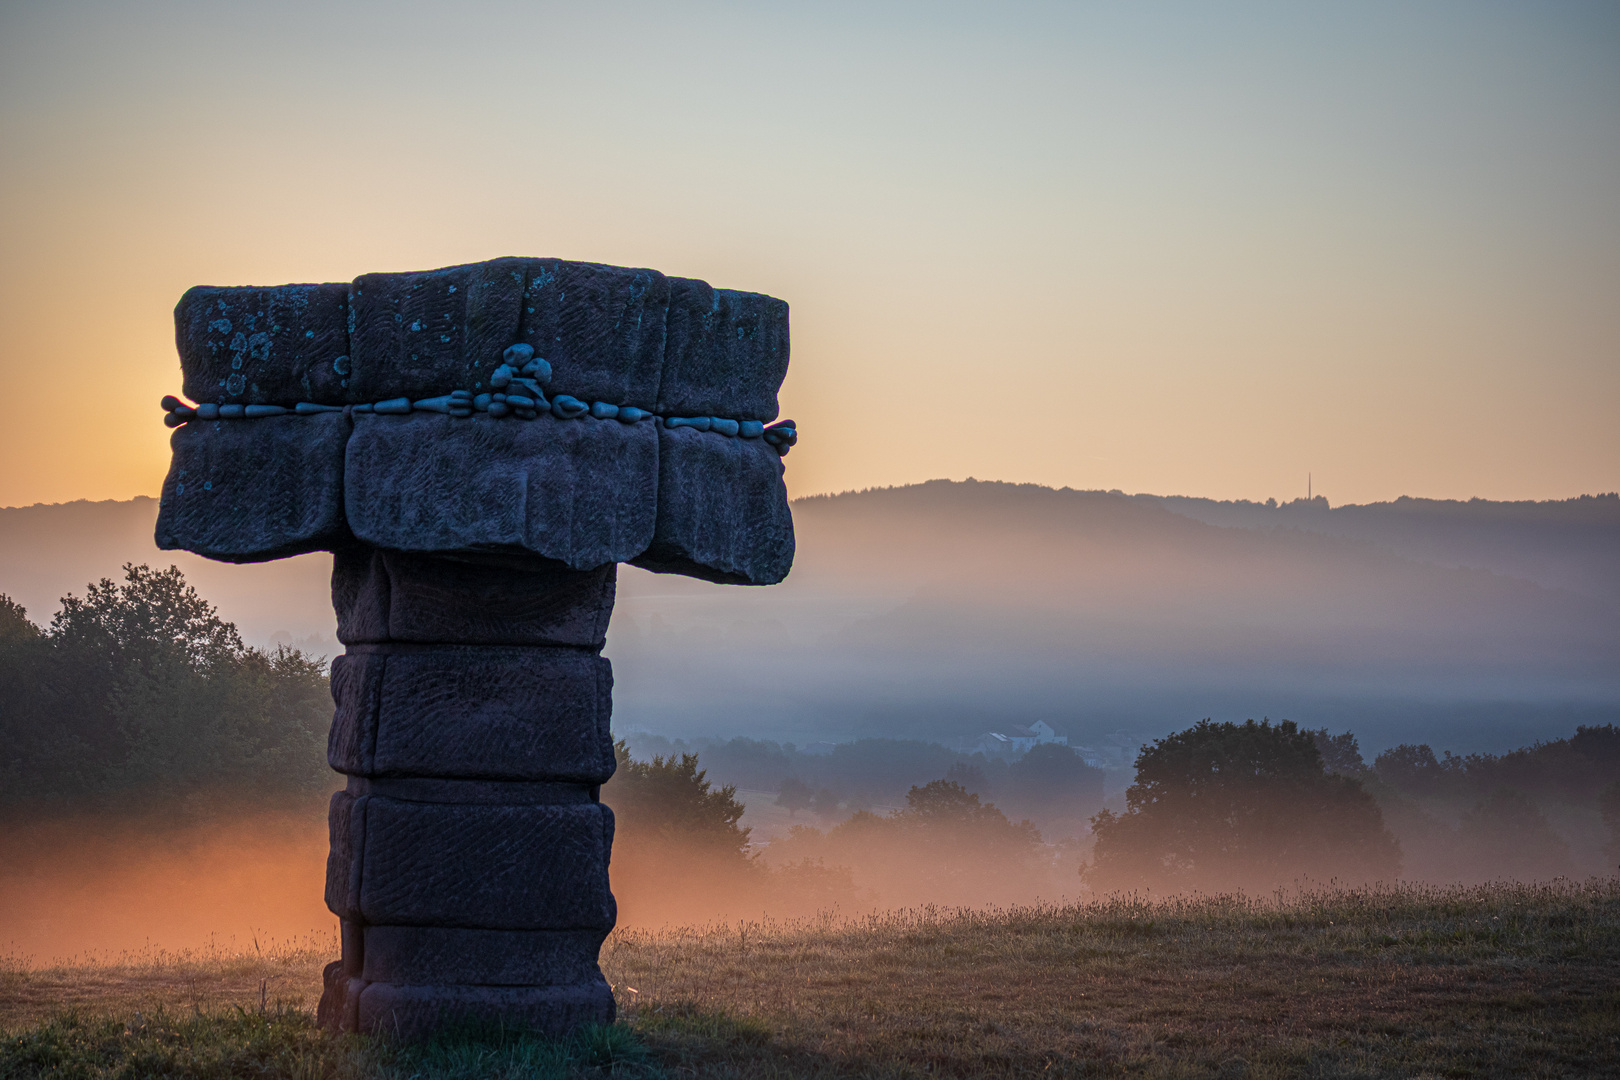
[[469, 851], [419, 1012]]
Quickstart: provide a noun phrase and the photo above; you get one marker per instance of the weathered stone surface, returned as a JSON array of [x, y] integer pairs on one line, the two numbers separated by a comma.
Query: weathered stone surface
[[352, 939], [494, 713], [356, 687], [424, 334], [419, 335], [411, 1012], [582, 492], [484, 867], [346, 832], [386, 596], [600, 327], [339, 1008], [722, 510], [464, 792], [263, 345], [432, 954], [246, 490], [726, 352], [622, 335]]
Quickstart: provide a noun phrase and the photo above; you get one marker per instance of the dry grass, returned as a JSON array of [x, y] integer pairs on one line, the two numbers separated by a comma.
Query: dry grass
[[1501, 980], [1494, 981], [190, 981]]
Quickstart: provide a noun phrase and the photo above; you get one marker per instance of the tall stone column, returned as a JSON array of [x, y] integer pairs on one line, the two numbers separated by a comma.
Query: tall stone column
[[479, 446], [469, 859]]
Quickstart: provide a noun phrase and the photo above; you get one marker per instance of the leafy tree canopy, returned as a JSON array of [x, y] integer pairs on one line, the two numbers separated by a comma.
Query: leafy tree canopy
[[1509, 834], [794, 794], [670, 801], [1340, 753], [14, 622], [152, 618], [1227, 806], [1572, 770], [140, 692]]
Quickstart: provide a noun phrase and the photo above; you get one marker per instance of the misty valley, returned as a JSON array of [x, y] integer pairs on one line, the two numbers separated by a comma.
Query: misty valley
[[988, 656], [985, 731]]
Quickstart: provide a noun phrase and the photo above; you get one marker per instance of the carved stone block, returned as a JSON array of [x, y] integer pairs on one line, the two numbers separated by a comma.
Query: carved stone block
[[264, 346], [418, 335], [600, 327], [473, 578], [418, 955], [583, 492], [476, 866], [387, 596], [248, 490], [726, 355], [410, 1012], [722, 510], [494, 713]]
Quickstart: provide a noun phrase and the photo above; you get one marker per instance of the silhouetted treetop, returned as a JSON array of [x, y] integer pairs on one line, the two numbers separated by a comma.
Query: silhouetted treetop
[[14, 622], [670, 800], [140, 692], [1340, 753], [1570, 770], [1224, 806]]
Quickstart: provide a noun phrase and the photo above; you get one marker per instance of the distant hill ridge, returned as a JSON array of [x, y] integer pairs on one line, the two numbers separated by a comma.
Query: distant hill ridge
[[1571, 544], [944, 609]]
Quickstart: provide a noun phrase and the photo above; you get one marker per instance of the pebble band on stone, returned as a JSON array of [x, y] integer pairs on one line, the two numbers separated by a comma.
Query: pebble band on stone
[[521, 373]]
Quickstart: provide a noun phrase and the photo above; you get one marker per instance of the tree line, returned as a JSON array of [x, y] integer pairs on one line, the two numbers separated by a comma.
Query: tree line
[[1217, 807], [139, 695], [1049, 783]]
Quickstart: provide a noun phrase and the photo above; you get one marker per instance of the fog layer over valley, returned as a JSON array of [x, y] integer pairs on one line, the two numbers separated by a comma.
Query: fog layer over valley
[[942, 610]]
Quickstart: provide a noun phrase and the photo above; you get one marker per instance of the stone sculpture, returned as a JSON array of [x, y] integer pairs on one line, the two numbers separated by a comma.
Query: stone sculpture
[[479, 447]]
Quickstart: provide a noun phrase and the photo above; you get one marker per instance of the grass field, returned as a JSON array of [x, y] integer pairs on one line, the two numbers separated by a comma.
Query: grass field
[[1495, 981]]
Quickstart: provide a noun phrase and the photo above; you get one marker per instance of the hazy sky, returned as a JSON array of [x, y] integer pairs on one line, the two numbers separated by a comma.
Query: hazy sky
[[1183, 248]]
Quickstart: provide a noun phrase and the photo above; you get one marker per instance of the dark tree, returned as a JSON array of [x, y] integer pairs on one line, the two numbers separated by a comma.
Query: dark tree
[[947, 807], [1510, 838], [154, 618], [946, 847], [752, 764], [1229, 806], [670, 801], [794, 794], [876, 770], [824, 803], [1411, 769], [1340, 753], [139, 693], [14, 622], [970, 776], [1573, 770], [1054, 781], [952, 834]]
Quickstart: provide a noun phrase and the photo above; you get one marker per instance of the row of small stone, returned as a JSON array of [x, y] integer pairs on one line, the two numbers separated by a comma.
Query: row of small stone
[[517, 393]]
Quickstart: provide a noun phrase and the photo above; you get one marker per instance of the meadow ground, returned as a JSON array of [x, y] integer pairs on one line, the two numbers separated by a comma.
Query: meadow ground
[[1493, 981]]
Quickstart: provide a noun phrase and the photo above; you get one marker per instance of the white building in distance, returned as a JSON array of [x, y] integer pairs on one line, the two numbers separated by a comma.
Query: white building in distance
[[1017, 740]]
